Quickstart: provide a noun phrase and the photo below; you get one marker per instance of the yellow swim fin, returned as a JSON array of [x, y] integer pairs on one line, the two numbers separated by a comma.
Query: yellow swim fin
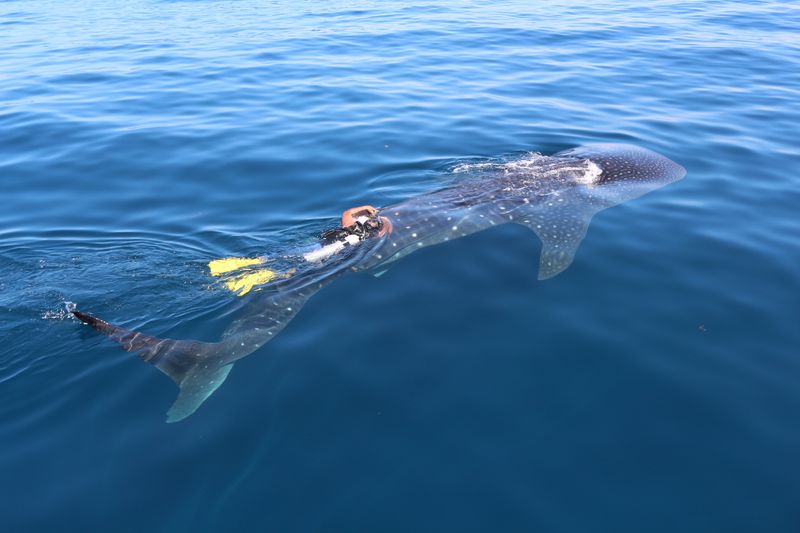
[[241, 285], [229, 264]]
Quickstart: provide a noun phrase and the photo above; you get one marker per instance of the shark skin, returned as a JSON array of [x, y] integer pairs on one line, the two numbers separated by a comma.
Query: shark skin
[[554, 196]]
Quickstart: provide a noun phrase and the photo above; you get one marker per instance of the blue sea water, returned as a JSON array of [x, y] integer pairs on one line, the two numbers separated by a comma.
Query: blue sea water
[[653, 386]]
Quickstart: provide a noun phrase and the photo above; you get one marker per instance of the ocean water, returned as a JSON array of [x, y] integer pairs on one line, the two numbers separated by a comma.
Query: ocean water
[[653, 386]]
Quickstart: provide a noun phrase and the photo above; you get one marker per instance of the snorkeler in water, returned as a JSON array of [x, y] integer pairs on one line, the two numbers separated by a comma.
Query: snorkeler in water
[[357, 225]]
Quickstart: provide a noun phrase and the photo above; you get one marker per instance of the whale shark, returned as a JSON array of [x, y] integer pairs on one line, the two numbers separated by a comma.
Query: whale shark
[[555, 196]]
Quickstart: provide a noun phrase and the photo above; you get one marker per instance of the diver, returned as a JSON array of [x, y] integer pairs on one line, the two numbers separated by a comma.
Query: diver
[[357, 225]]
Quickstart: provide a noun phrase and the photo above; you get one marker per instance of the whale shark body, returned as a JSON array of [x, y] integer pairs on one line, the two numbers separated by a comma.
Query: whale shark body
[[555, 196]]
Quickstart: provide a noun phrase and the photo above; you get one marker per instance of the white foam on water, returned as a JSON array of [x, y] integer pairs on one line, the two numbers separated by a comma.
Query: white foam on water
[[536, 164], [61, 313], [591, 174], [525, 163]]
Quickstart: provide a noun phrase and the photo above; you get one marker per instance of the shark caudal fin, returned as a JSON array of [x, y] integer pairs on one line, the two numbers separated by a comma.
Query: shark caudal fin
[[197, 385], [192, 365]]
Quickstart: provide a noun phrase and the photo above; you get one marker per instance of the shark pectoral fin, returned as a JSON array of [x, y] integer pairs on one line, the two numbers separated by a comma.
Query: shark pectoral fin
[[555, 260], [198, 384], [561, 232]]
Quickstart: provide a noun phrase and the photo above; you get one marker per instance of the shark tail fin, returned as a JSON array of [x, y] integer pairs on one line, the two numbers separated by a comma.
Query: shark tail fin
[[187, 362]]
